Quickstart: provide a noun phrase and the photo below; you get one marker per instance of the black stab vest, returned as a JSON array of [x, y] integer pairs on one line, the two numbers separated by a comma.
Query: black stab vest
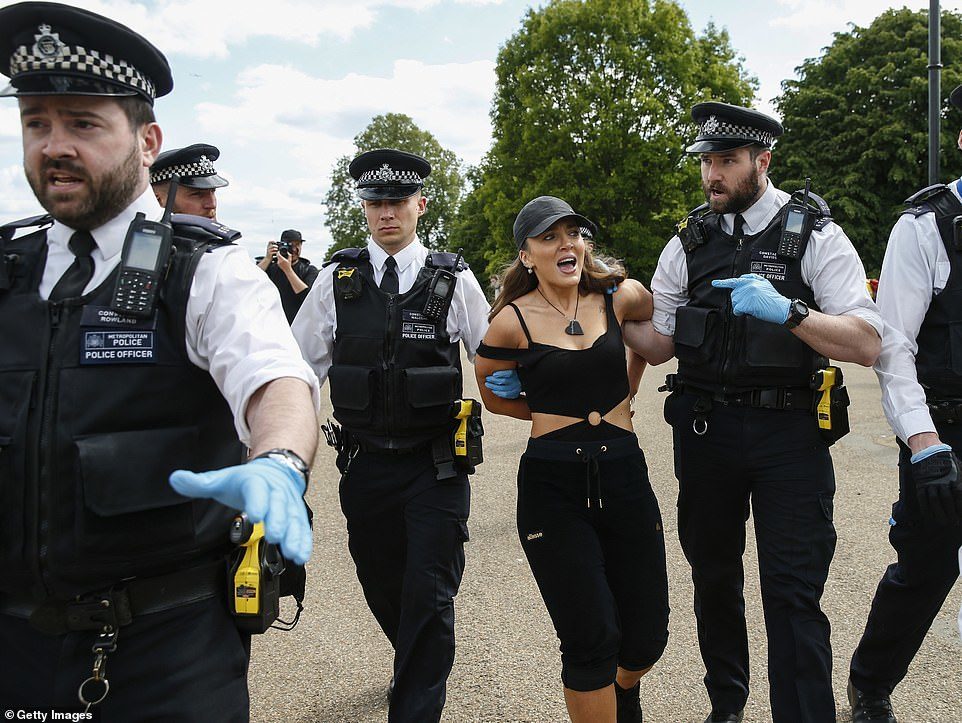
[[395, 373], [719, 351], [96, 411], [938, 361]]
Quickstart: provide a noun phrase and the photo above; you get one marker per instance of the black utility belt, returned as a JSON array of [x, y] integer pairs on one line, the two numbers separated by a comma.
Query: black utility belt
[[119, 605], [795, 399], [947, 411]]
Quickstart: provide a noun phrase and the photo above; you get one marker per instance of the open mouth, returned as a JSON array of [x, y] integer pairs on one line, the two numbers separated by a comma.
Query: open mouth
[[568, 264], [62, 181]]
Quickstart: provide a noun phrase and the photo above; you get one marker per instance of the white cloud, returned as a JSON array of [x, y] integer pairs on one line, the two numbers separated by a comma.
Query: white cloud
[[18, 199], [836, 14]]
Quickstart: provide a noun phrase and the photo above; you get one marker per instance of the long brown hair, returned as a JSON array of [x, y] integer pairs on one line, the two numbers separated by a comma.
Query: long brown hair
[[598, 275]]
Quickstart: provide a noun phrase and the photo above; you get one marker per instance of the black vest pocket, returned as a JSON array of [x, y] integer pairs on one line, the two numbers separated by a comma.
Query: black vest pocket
[[429, 392], [955, 346], [696, 334], [128, 502], [771, 346], [352, 393]]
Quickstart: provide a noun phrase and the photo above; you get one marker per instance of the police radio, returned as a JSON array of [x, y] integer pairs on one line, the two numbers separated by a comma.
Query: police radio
[[441, 291], [793, 225], [144, 260]]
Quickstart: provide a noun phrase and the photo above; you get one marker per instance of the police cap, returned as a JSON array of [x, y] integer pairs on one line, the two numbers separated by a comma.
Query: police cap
[[723, 127], [955, 97], [54, 49], [388, 174], [194, 164], [541, 213]]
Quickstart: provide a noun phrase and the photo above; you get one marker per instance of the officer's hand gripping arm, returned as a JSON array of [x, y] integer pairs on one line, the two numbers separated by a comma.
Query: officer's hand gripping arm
[[938, 486], [267, 490], [505, 383], [755, 296]]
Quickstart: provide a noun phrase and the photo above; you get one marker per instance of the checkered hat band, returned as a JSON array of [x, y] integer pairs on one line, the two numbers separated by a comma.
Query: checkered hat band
[[721, 129], [80, 61], [388, 176], [203, 167]]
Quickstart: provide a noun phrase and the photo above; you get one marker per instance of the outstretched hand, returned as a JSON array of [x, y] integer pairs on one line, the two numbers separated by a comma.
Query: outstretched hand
[[267, 490]]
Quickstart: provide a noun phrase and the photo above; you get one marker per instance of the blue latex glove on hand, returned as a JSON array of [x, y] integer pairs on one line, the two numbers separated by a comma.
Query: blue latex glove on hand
[[267, 490], [754, 295], [611, 289], [505, 383], [938, 484]]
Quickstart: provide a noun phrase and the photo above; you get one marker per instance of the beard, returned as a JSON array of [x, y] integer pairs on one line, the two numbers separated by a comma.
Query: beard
[[98, 201], [738, 198]]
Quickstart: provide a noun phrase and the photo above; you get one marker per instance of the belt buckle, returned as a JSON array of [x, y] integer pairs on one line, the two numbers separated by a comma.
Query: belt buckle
[[766, 398]]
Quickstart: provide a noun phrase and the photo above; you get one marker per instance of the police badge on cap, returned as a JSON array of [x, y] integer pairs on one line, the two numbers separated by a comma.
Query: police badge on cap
[[388, 174], [724, 127], [55, 49], [194, 164]]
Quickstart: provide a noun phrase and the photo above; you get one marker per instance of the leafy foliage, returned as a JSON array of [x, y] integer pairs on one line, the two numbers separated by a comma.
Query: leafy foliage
[[592, 105], [443, 188], [856, 122]]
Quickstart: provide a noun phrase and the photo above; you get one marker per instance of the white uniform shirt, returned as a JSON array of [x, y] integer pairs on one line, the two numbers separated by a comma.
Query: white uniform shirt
[[915, 268], [316, 323], [236, 328], [830, 267]]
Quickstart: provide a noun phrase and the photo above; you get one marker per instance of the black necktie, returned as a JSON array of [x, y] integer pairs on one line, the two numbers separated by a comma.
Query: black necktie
[[738, 230], [389, 282], [78, 274]]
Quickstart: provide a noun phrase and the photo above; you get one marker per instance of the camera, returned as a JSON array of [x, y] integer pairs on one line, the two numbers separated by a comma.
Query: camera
[[284, 248]]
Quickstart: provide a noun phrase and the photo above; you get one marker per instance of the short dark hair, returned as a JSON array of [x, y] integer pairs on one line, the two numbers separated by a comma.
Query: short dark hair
[[138, 111]]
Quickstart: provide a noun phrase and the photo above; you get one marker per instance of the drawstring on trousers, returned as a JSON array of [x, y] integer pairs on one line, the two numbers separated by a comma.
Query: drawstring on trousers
[[592, 472]]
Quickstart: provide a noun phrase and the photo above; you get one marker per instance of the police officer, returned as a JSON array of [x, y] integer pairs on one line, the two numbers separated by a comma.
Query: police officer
[[291, 273], [395, 372], [741, 406], [112, 581], [194, 165], [918, 297]]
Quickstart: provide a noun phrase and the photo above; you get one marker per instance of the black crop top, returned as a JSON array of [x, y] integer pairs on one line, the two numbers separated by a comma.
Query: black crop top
[[570, 382]]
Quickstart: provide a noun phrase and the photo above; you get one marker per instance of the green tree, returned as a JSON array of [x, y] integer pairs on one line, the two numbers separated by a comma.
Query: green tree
[[856, 122], [592, 105], [443, 188]]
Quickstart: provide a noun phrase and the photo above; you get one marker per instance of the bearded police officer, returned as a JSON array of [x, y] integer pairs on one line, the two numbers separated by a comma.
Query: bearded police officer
[[395, 371], [919, 298], [741, 406], [113, 582], [199, 181]]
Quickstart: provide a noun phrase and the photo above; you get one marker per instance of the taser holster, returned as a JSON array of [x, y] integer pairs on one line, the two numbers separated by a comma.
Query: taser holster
[[831, 403]]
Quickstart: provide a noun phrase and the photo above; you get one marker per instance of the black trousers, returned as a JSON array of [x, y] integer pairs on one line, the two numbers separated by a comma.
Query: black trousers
[[406, 534], [774, 464], [185, 664], [912, 590], [600, 567]]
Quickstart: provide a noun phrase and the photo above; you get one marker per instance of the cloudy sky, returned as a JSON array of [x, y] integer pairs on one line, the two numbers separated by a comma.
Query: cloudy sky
[[282, 87]]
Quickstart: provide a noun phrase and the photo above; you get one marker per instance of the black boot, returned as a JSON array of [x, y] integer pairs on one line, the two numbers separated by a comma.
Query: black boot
[[870, 707], [629, 703]]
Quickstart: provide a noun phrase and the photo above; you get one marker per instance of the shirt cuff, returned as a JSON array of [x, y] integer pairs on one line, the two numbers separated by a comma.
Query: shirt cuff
[[663, 322], [915, 421]]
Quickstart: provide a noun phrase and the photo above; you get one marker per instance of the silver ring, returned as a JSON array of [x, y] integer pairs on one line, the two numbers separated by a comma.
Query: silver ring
[[704, 428]]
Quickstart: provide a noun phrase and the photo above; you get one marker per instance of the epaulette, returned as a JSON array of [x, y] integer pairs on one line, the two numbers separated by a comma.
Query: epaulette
[[825, 213], [445, 260], [349, 255], [921, 203], [184, 222], [9, 229], [691, 229]]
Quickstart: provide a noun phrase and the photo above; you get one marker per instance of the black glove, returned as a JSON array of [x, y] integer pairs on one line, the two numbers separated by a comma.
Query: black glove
[[939, 487]]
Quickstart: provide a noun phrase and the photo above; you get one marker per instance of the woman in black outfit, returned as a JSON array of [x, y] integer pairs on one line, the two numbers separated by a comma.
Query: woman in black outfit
[[587, 517]]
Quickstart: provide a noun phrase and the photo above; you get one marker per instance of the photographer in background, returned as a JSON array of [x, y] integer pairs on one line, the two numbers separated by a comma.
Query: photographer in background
[[292, 275]]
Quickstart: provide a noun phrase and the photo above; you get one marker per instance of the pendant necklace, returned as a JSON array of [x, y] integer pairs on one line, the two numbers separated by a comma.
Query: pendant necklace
[[573, 328]]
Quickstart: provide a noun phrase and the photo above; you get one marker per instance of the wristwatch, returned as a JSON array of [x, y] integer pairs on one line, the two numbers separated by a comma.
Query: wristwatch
[[290, 459], [797, 313]]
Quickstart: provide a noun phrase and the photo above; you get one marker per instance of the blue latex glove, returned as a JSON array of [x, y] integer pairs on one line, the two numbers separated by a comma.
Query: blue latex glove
[[611, 289], [505, 383], [929, 451], [754, 295], [267, 490]]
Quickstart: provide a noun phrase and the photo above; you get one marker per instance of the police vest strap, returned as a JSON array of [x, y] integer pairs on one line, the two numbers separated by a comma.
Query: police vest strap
[[351, 257], [218, 232], [691, 229], [824, 212], [937, 199], [9, 229], [445, 260]]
